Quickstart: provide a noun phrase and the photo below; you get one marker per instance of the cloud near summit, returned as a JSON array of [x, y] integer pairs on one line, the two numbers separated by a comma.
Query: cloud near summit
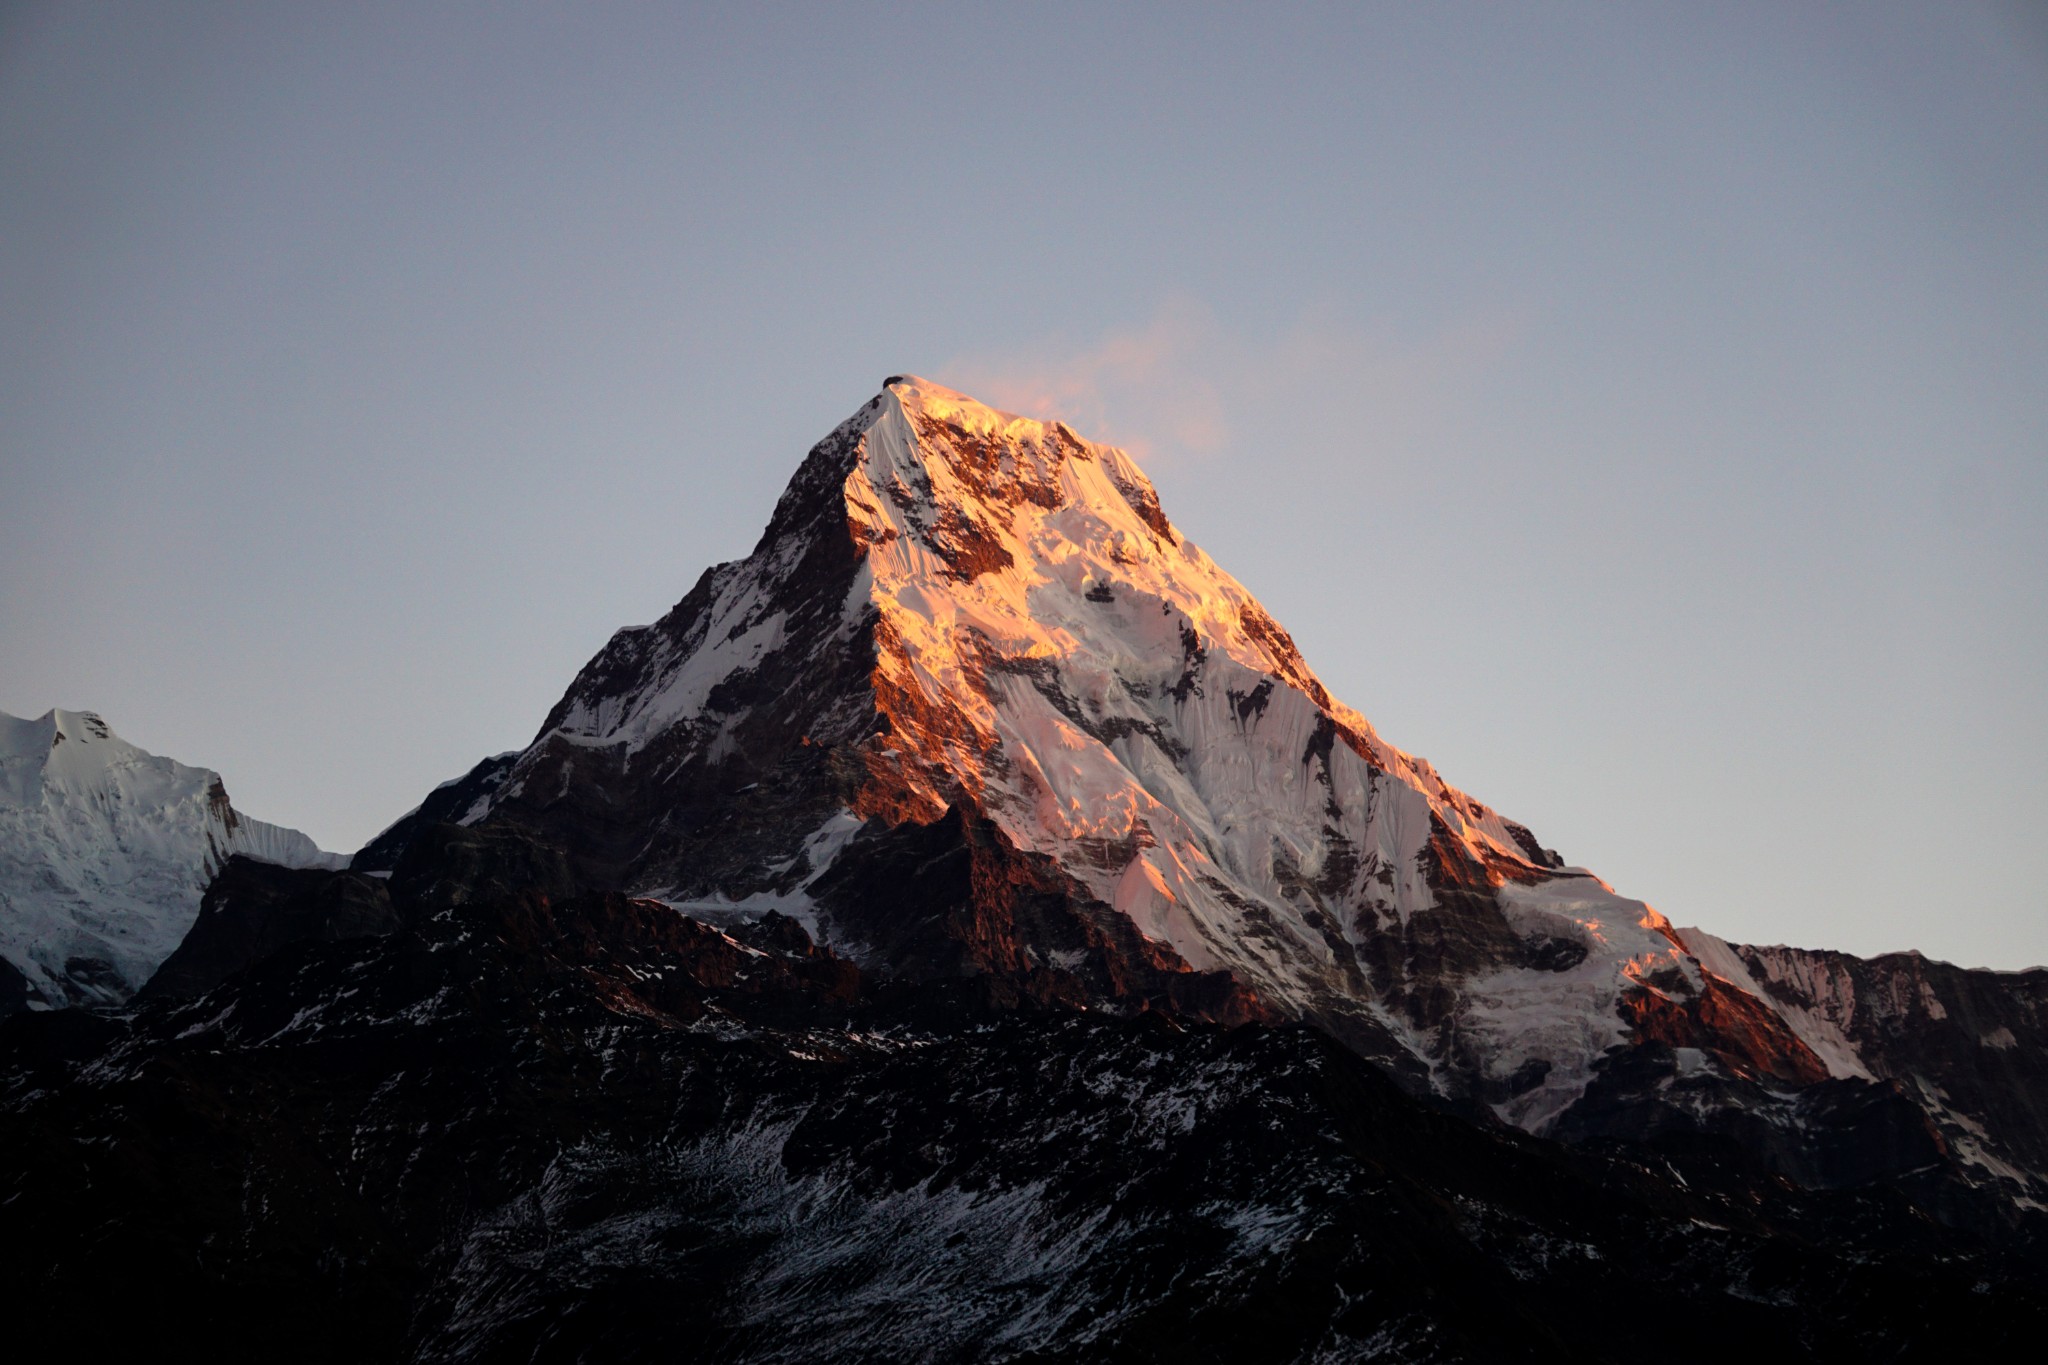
[[1149, 388], [1182, 387]]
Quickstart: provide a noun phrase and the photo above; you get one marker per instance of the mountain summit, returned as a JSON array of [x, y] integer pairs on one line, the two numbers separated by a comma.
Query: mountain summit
[[975, 709]]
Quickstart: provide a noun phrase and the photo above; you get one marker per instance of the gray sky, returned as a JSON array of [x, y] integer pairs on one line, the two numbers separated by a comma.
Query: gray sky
[[1639, 410]]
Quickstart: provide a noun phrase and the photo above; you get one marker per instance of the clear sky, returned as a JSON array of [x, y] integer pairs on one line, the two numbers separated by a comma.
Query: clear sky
[[1639, 410]]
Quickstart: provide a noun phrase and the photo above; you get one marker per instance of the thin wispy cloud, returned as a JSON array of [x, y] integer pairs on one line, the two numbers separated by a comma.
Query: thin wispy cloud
[[1150, 388], [1180, 386]]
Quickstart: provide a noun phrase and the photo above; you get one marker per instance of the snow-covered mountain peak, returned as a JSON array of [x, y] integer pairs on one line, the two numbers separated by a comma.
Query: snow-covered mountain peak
[[956, 607], [935, 449], [28, 747], [77, 752], [974, 707], [105, 851]]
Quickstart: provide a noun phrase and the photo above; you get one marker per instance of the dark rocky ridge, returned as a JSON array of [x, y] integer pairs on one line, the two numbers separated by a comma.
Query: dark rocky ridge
[[252, 909], [580, 1128], [446, 804], [1960, 1041]]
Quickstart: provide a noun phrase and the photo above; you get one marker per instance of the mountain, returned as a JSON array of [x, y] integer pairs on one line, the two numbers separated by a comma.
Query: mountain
[[958, 610], [966, 929], [974, 708], [105, 852]]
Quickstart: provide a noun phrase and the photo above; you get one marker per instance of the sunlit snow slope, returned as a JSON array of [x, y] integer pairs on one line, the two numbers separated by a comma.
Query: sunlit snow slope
[[105, 850]]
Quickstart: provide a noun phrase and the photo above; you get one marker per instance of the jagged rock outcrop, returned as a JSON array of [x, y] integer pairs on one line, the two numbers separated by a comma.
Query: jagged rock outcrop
[[1967, 1047], [455, 802]]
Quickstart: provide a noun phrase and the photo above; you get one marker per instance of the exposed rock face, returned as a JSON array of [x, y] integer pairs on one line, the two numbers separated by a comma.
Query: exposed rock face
[[963, 903], [105, 850], [252, 909], [975, 708], [1969, 1048], [588, 1128]]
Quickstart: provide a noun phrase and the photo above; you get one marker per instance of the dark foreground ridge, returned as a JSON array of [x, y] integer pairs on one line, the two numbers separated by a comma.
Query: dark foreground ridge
[[548, 1125]]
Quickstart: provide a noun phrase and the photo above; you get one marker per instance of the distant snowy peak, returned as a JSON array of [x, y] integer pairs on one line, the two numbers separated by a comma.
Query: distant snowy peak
[[105, 851]]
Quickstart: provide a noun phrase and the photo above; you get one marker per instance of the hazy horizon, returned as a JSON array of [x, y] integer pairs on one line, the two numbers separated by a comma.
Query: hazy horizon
[[1640, 414]]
